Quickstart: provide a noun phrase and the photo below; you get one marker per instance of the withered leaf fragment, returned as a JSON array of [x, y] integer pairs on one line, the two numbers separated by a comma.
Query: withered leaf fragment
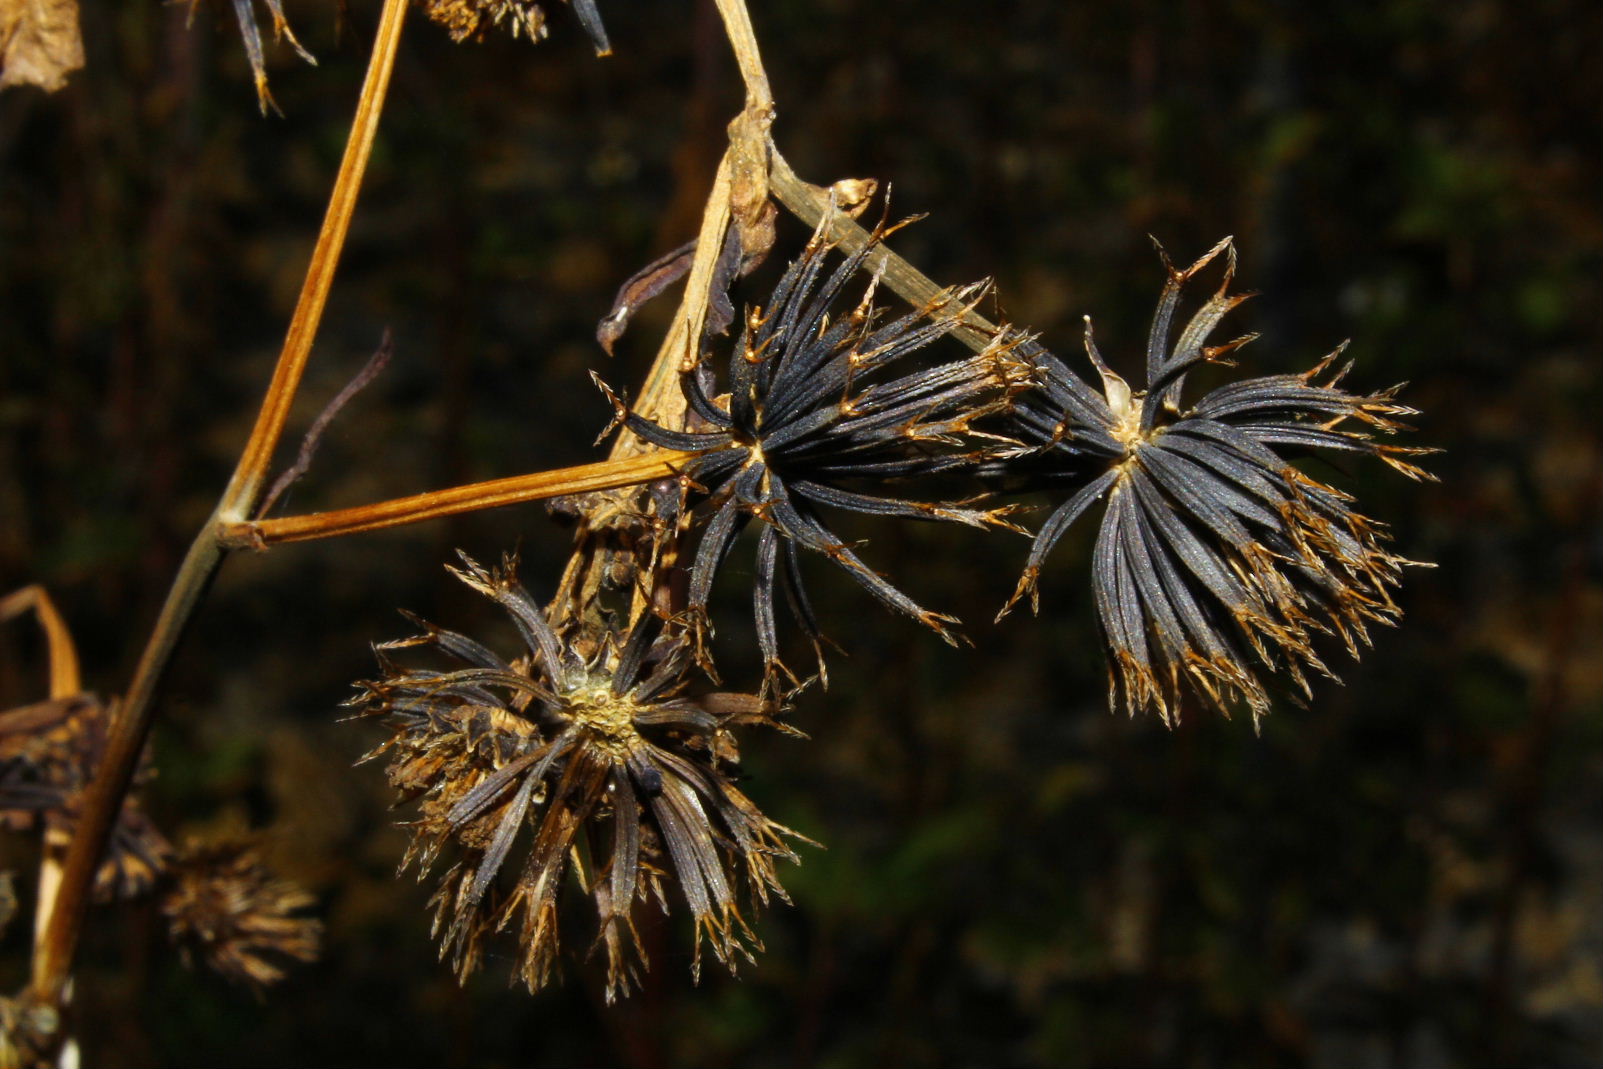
[[588, 753], [223, 904], [1213, 548], [641, 287], [817, 416], [664, 271], [39, 43]]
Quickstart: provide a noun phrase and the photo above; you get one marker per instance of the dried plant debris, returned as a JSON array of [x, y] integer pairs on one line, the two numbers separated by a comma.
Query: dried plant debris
[[250, 33], [819, 414], [590, 753], [39, 43], [223, 905], [472, 19], [48, 753], [1213, 548], [734, 261], [641, 287], [30, 1032]]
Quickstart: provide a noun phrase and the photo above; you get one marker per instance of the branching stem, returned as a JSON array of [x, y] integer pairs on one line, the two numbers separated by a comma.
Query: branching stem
[[749, 172], [103, 800], [398, 512]]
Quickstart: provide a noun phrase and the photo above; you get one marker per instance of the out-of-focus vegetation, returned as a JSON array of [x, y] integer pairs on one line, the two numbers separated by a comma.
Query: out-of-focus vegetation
[[1409, 872]]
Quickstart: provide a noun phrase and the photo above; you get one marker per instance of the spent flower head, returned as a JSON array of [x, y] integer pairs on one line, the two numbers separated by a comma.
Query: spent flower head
[[48, 755], [588, 752], [1216, 557], [225, 906], [473, 19], [822, 413]]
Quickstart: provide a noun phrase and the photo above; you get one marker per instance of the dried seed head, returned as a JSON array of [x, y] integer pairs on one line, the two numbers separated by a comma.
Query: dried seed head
[[596, 761], [821, 412], [1212, 544], [48, 754], [223, 905], [473, 19]]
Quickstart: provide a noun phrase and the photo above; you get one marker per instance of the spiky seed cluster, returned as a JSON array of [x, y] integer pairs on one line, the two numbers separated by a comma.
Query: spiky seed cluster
[[48, 755], [818, 414], [225, 906], [1212, 544], [472, 19], [590, 756]]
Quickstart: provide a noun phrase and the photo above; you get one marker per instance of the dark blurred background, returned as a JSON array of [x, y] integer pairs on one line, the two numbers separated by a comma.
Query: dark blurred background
[[1408, 873]]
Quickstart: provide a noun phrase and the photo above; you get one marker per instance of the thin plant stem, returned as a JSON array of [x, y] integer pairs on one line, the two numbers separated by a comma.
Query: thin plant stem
[[743, 39], [254, 460], [812, 205], [103, 800], [65, 682], [661, 399], [398, 512]]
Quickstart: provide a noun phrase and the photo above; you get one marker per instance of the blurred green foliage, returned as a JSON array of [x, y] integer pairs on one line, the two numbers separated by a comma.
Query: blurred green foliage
[[1407, 873]]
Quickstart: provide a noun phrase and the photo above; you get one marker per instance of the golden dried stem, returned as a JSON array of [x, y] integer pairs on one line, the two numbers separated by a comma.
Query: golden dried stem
[[743, 39], [63, 654], [65, 681], [660, 396], [742, 176], [661, 399], [398, 512], [53, 953], [254, 460], [813, 204]]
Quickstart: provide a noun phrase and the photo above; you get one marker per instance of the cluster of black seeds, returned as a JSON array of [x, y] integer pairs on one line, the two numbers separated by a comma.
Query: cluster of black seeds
[[1216, 557], [823, 412]]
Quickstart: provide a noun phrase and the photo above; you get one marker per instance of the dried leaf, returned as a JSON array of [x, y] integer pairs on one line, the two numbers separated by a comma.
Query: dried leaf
[[39, 43], [720, 309], [852, 195], [641, 286]]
